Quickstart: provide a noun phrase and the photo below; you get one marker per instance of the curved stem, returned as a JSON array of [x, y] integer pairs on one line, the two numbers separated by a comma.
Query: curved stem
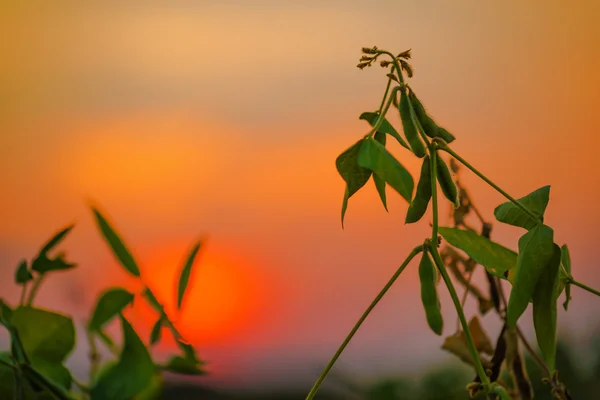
[[387, 89], [501, 392], [584, 287], [383, 291]]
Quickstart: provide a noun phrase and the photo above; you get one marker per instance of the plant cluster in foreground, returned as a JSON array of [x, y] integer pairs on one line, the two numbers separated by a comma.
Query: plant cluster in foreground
[[538, 272], [41, 340]]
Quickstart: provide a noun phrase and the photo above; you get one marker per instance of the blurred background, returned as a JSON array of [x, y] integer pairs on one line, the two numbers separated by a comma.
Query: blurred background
[[224, 118]]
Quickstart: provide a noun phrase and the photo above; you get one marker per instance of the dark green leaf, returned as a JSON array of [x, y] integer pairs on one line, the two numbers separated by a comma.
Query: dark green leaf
[[57, 373], [22, 274], [156, 331], [5, 313], [42, 263], [419, 204], [544, 308], [496, 258], [185, 274], [536, 201], [566, 263], [109, 305], [38, 379], [385, 127], [116, 244], [347, 165], [131, 375], [446, 181], [344, 205], [376, 158], [380, 183], [410, 129], [56, 239], [53, 342], [536, 248]]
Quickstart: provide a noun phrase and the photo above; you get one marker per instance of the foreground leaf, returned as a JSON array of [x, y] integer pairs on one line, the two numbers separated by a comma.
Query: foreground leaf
[[496, 258], [536, 248], [373, 156], [353, 174], [132, 373], [536, 201], [184, 366], [116, 244], [544, 309], [385, 127], [109, 305], [185, 273], [156, 331], [22, 274]]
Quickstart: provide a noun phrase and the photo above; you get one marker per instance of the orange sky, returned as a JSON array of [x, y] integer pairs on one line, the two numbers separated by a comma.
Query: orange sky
[[225, 121]]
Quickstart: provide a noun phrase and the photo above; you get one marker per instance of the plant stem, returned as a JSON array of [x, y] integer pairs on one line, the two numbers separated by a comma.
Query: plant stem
[[387, 89], [501, 392], [485, 380], [489, 182], [383, 291], [381, 115], [23, 294], [584, 287], [36, 285]]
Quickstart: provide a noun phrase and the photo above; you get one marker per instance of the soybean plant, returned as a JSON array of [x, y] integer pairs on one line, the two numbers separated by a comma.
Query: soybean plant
[[539, 271]]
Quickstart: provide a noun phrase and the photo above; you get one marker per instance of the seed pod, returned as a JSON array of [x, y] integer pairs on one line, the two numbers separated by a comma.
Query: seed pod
[[430, 128], [410, 129], [446, 182], [429, 295], [419, 204]]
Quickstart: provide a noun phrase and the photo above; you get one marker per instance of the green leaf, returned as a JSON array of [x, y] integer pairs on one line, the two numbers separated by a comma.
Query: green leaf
[[116, 244], [419, 204], [565, 258], [536, 201], [496, 258], [385, 127], [53, 343], [536, 248], [56, 239], [46, 348], [109, 305], [132, 373], [410, 128], [376, 158], [544, 308], [22, 274], [379, 182], [185, 274], [5, 313], [345, 204], [153, 391], [42, 263], [37, 379], [156, 331], [347, 165], [152, 300]]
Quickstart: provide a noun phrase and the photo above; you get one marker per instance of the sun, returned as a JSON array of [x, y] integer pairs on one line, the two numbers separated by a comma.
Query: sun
[[222, 299]]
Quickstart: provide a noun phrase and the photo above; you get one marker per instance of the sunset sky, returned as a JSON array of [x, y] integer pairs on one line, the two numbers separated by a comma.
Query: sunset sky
[[223, 120]]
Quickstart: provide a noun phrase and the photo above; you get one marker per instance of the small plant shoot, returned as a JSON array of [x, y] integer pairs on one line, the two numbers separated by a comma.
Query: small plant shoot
[[537, 273]]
